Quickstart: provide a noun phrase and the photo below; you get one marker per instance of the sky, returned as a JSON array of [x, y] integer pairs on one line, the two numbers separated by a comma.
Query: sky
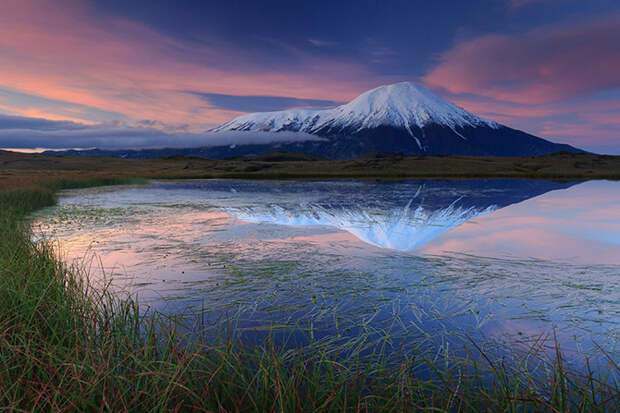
[[152, 73]]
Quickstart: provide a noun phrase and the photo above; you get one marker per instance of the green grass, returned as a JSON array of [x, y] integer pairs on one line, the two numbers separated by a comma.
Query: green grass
[[65, 346]]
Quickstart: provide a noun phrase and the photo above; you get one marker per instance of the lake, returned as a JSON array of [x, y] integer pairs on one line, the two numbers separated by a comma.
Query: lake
[[415, 265]]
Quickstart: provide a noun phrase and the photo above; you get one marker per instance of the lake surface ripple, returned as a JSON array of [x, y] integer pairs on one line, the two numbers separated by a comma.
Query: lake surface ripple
[[416, 264]]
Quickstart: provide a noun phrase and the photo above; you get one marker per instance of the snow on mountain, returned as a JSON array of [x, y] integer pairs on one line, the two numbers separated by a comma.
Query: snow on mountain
[[400, 118], [402, 105]]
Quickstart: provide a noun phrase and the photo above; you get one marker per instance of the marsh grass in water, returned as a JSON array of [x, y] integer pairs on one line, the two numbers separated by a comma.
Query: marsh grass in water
[[65, 346]]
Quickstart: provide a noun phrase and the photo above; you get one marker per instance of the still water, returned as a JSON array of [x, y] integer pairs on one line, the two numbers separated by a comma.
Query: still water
[[426, 263]]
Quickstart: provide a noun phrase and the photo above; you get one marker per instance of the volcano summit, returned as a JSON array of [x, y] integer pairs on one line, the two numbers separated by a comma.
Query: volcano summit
[[400, 118], [403, 117]]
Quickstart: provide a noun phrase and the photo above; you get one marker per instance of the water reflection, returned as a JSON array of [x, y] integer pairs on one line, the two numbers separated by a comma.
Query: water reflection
[[578, 225], [493, 260], [400, 216]]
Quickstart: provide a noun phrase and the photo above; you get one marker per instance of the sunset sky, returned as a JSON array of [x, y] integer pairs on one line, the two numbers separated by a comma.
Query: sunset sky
[[148, 73]]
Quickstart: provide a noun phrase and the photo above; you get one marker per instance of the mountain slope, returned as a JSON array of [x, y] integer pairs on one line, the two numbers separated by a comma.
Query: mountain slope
[[402, 105], [403, 117]]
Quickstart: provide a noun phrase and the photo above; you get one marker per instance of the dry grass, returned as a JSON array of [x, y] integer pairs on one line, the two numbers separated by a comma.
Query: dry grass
[[30, 170]]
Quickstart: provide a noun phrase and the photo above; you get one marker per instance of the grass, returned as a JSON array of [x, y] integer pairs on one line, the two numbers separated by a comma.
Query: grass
[[20, 170], [65, 346]]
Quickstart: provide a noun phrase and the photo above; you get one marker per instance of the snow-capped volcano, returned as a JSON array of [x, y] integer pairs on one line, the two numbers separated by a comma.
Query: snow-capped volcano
[[402, 105], [400, 118], [403, 117]]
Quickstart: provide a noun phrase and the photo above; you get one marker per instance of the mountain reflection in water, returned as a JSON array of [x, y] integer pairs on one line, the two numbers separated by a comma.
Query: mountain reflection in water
[[400, 216], [336, 255]]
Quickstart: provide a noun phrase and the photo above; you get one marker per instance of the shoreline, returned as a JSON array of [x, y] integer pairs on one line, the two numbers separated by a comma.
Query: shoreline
[[67, 346]]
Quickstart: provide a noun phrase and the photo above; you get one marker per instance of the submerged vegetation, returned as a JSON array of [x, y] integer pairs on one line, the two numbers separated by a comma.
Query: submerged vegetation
[[66, 346]]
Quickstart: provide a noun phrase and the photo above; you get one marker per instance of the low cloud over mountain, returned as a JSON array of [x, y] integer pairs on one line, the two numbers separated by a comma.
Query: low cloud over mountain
[[23, 132]]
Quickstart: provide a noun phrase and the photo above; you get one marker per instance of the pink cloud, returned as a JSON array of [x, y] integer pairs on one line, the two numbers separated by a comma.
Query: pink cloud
[[581, 123], [41, 113], [579, 134], [541, 66], [537, 81], [60, 52], [612, 119]]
